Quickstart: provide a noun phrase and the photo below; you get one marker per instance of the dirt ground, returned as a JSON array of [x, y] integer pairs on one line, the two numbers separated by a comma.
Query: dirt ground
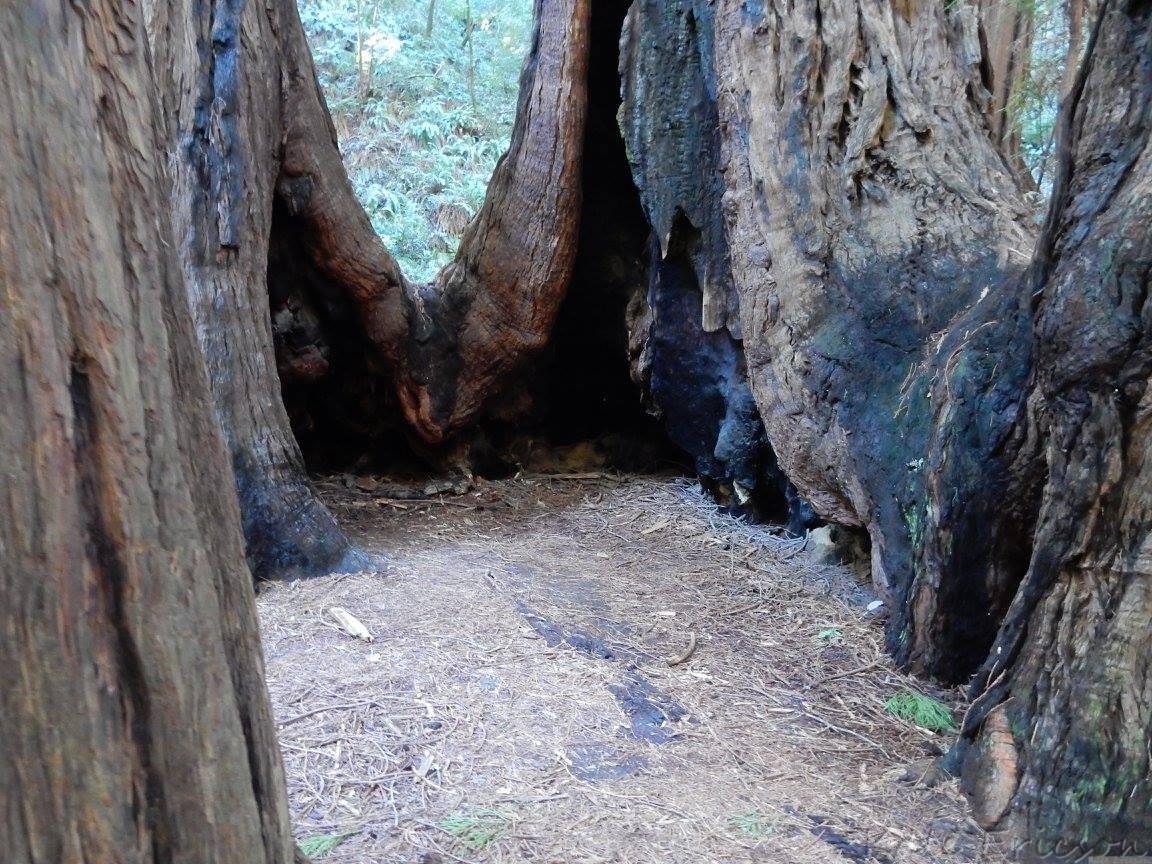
[[595, 669]]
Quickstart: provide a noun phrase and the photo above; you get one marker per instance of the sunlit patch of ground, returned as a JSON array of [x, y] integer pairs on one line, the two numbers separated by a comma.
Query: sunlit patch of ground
[[595, 670]]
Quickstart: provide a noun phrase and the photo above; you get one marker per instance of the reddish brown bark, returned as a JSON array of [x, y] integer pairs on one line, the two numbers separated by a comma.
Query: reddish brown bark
[[225, 98], [450, 346], [265, 208], [136, 723], [1008, 29]]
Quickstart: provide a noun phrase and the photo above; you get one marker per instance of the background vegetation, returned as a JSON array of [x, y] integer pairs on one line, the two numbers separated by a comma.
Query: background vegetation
[[423, 95], [1036, 103]]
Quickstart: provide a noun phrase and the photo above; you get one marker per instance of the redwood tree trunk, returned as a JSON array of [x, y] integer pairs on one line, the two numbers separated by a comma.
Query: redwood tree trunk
[[447, 349], [838, 265], [987, 427], [1070, 670], [220, 69], [136, 723], [265, 209], [1007, 30], [866, 212]]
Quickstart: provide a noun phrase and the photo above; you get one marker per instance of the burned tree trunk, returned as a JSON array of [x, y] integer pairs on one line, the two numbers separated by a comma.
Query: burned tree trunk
[[220, 77], [866, 211], [837, 267], [1070, 670], [265, 212], [137, 725], [984, 422], [686, 325]]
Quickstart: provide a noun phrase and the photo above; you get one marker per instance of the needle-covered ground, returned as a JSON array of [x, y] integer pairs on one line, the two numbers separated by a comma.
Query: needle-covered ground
[[597, 669]]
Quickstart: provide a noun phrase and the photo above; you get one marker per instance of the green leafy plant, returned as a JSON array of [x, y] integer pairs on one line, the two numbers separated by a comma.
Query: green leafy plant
[[831, 635], [753, 824], [923, 711], [476, 829], [321, 844]]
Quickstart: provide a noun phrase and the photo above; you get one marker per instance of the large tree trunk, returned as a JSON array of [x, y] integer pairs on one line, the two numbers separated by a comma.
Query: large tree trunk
[[265, 212], [986, 428], [136, 723], [689, 355], [1070, 670], [836, 266], [865, 211], [450, 347], [220, 70]]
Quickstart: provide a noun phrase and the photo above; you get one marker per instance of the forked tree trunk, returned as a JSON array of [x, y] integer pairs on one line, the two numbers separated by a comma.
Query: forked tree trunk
[[264, 206], [492, 309], [450, 346], [136, 723]]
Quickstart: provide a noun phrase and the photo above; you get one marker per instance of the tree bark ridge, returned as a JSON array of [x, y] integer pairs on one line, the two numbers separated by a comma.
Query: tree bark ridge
[[137, 724]]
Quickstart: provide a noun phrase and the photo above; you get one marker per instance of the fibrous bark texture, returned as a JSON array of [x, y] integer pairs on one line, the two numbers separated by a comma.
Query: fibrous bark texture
[[449, 348], [492, 309], [264, 209], [1007, 31], [229, 90], [865, 211], [136, 723], [830, 276], [1070, 668]]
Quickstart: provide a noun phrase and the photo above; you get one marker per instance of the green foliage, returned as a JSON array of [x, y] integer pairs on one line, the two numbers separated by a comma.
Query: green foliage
[[833, 635], [1036, 101], [752, 824], [321, 844], [477, 829], [923, 711], [422, 118]]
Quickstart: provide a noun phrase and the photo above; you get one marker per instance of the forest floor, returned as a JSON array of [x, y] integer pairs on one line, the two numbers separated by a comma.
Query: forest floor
[[595, 669]]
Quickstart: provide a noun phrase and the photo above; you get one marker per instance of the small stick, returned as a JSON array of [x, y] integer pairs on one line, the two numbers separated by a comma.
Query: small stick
[[858, 671], [747, 608], [688, 652]]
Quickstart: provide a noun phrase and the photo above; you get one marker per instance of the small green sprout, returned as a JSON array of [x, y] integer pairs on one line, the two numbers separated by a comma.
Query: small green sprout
[[322, 844], [477, 829], [752, 824], [923, 711]]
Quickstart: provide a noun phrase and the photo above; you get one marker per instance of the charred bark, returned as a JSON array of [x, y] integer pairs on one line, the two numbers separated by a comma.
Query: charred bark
[[825, 259], [228, 88], [985, 424], [137, 725], [686, 328], [1070, 667], [264, 208], [865, 211]]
